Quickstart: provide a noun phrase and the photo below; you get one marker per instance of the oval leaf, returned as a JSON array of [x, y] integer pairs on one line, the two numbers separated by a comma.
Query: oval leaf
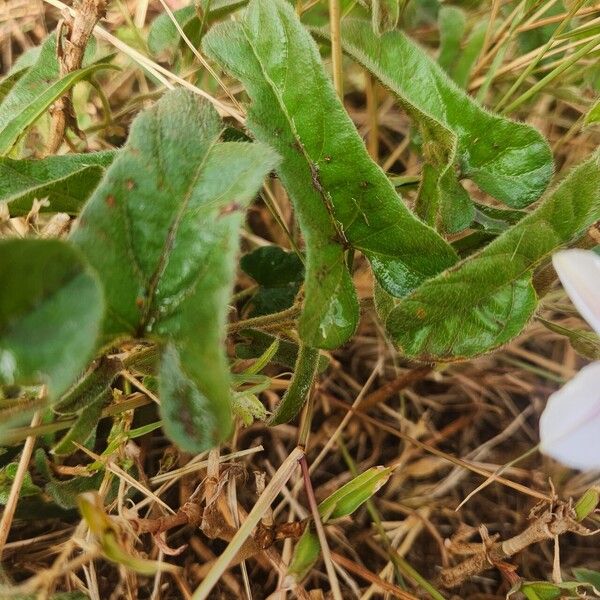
[[65, 181], [51, 308], [162, 232]]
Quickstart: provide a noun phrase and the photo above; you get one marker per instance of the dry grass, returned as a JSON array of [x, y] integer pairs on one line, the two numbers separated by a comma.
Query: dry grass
[[483, 412]]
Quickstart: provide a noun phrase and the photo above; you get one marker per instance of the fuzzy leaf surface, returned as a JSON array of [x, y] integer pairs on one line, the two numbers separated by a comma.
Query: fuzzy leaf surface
[[510, 161], [342, 198], [487, 299], [51, 309], [162, 232], [65, 181]]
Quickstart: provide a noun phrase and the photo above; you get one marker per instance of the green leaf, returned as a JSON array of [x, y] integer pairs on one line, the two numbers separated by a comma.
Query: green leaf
[[541, 590], [65, 181], [585, 343], [593, 115], [19, 68], [216, 9], [84, 428], [51, 309], [341, 503], [279, 274], [286, 354], [452, 23], [249, 408], [487, 299], [385, 15], [460, 72], [163, 37], [11, 130], [94, 383], [342, 198], [354, 494], [587, 504], [35, 91], [37, 72], [301, 383], [588, 576], [162, 231], [306, 554], [508, 160], [64, 492], [7, 477]]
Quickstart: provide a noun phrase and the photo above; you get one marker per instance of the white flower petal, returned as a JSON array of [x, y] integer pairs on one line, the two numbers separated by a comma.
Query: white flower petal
[[570, 423], [579, 272]]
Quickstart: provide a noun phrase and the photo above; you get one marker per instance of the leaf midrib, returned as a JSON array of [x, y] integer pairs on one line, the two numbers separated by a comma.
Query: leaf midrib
[[163, 258]]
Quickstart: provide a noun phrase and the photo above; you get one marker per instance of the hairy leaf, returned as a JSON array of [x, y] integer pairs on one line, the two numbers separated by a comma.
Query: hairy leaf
[[452, 22], [12, 130], [7, 477], [34, 92], [385, 14], [585, 343], [486, 300], [163, 37], [18, 69], [342, 198], [84, 427], [593, 115], [65, 181], [588, 576], [51, 309], [161, 230], [460, 72], [510, 161]]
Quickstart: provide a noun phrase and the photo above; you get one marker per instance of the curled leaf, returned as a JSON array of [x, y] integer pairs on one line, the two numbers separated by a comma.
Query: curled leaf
[[489, 297], [510, 161], [342, 198]]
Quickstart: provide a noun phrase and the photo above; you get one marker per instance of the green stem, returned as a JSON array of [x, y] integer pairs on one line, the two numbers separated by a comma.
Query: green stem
[[266, 320], [298, 391]]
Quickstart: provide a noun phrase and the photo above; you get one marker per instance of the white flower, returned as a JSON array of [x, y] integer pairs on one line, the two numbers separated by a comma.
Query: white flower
[[570, 423]]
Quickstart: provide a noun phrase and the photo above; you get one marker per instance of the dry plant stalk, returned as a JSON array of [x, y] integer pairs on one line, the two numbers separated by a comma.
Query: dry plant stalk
[[70, 51], [554, 521]]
